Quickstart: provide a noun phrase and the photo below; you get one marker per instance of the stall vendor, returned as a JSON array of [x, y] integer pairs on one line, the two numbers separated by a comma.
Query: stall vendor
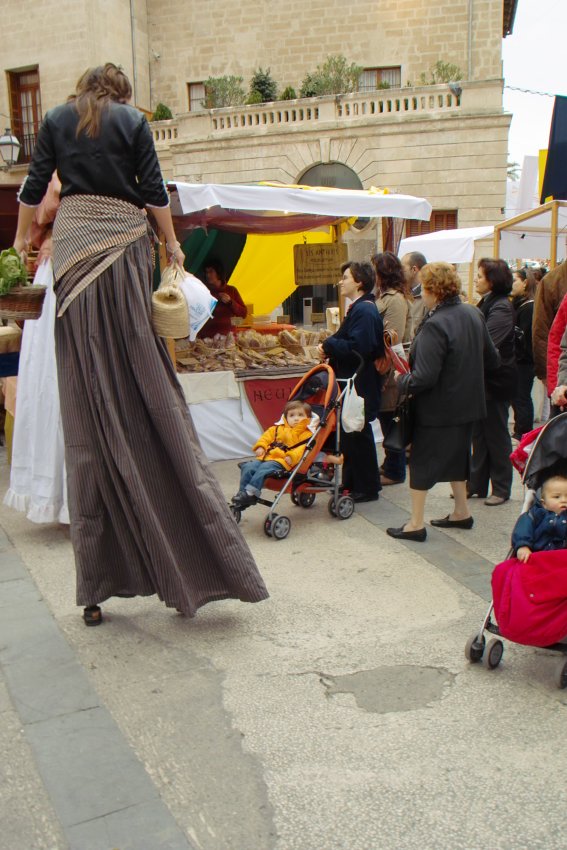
[[229, 301]]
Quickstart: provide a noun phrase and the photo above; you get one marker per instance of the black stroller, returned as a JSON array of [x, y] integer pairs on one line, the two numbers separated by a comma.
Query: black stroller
[[547, 454]]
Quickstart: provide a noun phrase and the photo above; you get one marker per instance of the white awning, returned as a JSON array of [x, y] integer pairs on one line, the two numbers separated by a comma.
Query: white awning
[[188, 198], [450, 246]]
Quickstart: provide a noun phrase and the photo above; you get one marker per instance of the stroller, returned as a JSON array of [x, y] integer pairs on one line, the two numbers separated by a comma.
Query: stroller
[[530, 607], [320, 389]]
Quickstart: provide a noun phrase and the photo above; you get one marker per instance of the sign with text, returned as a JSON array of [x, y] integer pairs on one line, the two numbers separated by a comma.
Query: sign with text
[[267, 397], [319, 264]]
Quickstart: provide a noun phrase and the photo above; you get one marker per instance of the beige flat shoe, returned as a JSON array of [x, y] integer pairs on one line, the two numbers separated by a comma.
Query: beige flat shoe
[[495, 500]]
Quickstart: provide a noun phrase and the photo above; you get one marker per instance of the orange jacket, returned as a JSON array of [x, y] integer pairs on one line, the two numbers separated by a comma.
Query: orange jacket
[[287, 436]]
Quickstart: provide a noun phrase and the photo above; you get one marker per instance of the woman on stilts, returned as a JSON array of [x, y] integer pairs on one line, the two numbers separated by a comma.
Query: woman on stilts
[[147, 514]]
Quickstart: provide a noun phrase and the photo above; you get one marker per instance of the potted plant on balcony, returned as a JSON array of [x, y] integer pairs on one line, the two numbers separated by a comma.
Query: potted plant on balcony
[[18, 299]]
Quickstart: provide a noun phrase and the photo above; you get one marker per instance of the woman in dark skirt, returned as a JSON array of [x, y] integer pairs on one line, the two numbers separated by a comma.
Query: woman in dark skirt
[[448, 357], [147, 515]]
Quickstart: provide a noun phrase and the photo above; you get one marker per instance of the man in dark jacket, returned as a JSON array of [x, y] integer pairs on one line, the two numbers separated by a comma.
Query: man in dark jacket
[[361, 335], [549, 295]]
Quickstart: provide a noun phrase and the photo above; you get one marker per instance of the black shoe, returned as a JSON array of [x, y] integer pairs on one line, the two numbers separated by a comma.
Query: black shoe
[[92, 615], [419, 536], [364, 497], [452, 523]]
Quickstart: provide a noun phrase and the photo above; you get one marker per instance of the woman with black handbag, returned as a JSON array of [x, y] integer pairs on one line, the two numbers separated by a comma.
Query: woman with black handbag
[[448, 356], [361, 335]]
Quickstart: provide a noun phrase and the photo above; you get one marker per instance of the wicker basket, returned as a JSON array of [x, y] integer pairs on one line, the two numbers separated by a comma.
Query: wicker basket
[[22, 302], [170, 314]]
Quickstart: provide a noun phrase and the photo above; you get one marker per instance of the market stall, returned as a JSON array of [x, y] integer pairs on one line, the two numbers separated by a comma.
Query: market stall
[[237, 385], [541, 232], [449, 246]]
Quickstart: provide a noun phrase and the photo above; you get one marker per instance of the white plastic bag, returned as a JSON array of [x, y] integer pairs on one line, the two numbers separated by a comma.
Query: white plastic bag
[[352, 413], [199, 301]]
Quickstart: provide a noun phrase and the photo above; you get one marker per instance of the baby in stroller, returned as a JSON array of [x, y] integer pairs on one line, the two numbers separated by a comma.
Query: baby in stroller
[[544, 526], [280, 447], [529, 588]]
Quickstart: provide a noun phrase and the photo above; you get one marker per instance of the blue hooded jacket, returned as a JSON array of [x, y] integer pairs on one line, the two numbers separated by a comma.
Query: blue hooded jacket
[[540, 529]]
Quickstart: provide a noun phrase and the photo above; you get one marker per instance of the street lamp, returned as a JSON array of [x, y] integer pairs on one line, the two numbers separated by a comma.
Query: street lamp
[[9, 150]]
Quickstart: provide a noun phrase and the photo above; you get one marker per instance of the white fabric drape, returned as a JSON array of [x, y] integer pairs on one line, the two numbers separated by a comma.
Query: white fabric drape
[[37, 475]]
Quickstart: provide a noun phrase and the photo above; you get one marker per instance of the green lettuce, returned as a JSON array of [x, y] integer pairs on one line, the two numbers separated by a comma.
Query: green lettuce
[[12, 270]]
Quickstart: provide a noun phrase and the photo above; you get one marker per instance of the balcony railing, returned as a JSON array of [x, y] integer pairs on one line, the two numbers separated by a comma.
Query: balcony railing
[[294, 115]]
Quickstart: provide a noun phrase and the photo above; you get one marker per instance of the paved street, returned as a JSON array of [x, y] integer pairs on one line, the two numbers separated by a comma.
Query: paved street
[[338, 715]]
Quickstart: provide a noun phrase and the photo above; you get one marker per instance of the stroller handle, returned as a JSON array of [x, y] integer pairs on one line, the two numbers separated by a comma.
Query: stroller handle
[[360, 365]]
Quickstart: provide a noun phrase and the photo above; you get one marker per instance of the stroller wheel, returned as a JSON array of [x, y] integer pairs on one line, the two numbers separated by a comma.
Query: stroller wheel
[[281, 526], [474, 648], [305, 500], [494, 653], [345, 507], [331, 506], [561, 675], [236, 512], [268, 526]]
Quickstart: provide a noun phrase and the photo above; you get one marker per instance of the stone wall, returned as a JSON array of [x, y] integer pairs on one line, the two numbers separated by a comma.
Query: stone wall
[[454, 154], [190, 42], [64, 37]]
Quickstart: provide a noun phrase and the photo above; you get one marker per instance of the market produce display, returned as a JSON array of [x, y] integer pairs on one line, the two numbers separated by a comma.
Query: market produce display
[[249, 351]]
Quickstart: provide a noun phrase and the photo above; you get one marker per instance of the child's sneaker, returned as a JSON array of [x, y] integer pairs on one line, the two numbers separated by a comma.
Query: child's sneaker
[[243, 500]]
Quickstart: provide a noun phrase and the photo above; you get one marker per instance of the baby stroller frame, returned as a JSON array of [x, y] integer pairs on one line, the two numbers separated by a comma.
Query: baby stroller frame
[[303, 483], [547, 450]]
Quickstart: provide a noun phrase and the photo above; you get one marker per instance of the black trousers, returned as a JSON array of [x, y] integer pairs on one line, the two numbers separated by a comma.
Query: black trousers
[[360, 469], [523, 405], [491, 452]]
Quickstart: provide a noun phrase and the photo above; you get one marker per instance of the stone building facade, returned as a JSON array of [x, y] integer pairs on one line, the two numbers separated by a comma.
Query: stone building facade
[[415, 139]]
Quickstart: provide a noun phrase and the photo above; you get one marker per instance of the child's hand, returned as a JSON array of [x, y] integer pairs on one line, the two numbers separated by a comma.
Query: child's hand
[[260, 452], [523, 554], [288, 460], [559, 396]]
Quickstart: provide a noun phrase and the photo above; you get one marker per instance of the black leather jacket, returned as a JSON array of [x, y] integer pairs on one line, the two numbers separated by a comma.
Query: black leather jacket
[[121, 162]]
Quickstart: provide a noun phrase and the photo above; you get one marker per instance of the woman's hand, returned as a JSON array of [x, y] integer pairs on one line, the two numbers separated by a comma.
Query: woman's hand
[[559, 396], [224, 297], [523, 554], [21, 245], [177, 257], [322, 352]]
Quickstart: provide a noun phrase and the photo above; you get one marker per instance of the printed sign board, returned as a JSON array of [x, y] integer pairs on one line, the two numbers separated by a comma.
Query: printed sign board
[[319, 264]]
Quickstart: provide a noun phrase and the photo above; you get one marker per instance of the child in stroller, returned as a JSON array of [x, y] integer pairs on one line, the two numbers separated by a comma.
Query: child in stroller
[[313, 448], [544, 526], [529, 588], [281, 446]]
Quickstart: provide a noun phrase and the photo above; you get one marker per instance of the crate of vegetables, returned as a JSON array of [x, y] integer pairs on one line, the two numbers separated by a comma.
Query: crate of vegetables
[[18, 298]]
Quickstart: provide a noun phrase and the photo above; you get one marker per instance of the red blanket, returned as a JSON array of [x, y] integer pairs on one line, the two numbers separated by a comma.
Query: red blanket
[[530, 600]]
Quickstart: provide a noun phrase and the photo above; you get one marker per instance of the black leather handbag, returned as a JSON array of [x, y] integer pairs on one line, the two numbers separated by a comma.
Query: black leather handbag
[[400, 431]]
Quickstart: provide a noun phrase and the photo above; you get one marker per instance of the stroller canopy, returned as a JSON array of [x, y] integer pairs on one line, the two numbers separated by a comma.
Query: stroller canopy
[[549, 452]]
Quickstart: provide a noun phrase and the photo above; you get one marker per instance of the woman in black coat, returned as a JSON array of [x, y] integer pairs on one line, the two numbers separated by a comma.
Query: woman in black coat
[[361, 333], [448, 356], [492, 444], [523, 294]]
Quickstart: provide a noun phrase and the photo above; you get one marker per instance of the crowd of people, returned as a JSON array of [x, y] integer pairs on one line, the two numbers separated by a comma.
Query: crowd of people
[[469, 364]]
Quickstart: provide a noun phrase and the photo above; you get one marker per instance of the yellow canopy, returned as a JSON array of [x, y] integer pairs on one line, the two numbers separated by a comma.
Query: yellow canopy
[[264, 274]]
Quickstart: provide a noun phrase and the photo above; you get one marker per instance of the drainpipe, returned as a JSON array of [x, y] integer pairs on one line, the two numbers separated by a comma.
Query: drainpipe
[[134, 66], [469, 45]]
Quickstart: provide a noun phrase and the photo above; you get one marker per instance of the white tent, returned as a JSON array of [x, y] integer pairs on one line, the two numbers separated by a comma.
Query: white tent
[[450, 246]]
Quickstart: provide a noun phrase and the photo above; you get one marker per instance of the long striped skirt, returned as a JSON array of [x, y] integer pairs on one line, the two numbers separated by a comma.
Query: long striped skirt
[[147, 514]]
